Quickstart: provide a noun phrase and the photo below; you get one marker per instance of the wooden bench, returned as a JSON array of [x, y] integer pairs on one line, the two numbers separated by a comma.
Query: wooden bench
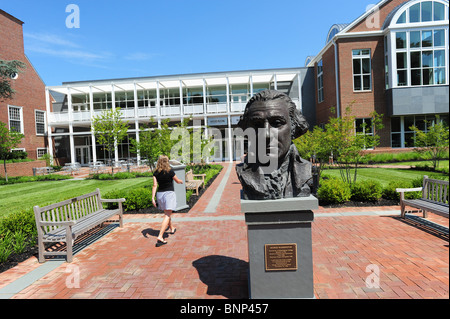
[[66, 220], [435, 197], [192, 183]]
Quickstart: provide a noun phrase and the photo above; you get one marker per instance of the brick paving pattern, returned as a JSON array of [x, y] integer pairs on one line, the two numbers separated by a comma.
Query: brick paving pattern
[[208, 257]]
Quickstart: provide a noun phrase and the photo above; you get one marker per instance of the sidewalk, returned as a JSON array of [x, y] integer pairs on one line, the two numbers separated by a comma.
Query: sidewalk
[[208, 256]]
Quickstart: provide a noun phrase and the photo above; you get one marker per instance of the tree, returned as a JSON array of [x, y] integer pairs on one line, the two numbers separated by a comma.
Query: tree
[[8, 141], [7, 70], [153, 142], [348, 142], [110, 130], [433, 142], [312, 145]]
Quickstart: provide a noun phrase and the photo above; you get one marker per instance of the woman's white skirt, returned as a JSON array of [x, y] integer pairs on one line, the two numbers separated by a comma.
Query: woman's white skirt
[[166, 200]]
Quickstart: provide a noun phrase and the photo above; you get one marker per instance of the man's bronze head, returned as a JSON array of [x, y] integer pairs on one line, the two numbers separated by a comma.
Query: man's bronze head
[[277, 113]]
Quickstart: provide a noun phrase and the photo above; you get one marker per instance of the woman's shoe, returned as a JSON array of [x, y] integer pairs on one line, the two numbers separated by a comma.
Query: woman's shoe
[[160, 243]]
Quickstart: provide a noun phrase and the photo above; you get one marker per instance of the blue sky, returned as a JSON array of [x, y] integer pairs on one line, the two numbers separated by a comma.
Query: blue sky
[[134, 38]]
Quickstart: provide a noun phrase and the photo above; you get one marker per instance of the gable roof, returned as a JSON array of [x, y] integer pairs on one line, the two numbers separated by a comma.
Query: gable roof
[[6, 14]]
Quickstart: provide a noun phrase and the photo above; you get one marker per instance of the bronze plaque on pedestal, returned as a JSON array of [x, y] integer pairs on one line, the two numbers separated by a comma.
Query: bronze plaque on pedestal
[[279, 257]]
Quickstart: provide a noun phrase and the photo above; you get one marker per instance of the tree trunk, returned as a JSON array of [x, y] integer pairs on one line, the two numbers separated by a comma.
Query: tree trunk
[[6, 173]]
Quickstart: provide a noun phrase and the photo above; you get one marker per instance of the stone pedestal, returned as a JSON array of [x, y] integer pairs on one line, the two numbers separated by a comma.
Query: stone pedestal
[[280, 247], [180, 189]]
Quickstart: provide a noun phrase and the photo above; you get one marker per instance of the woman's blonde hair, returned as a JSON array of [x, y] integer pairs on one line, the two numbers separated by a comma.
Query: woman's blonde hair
[[163, 164]]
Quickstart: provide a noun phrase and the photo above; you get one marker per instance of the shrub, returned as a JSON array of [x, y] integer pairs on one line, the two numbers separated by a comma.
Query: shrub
[[117, 193], [19, 222], [17, 232], [138, 198], [366, 191], [389, 191], [333, 191]]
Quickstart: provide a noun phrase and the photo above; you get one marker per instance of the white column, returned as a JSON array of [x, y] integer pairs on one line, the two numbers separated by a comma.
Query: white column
[[136, 122], [113, 100], [70, 110], [158, 105], [300, 103], [69, 105], [91, 108], [230, 140], [275, 84], [251, 85], [228, 95], [136, 112], [402, 132], [181, 100], [205, 108], [49, 129]]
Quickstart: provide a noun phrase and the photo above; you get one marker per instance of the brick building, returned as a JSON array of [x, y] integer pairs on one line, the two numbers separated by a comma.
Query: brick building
[[393, 59], [26, 111]]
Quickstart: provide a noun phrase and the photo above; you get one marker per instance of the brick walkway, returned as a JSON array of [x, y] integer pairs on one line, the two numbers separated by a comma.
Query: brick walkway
[[208, 257]]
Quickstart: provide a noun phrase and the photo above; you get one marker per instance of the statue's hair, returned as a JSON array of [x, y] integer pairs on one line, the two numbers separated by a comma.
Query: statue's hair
[[299, 125]]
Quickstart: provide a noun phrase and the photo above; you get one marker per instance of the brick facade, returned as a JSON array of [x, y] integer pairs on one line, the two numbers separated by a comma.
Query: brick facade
[[29, 87], [364, 102], [21, 169]]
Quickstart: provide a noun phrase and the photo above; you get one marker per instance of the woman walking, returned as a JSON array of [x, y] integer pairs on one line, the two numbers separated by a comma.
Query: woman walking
[[166, 198]]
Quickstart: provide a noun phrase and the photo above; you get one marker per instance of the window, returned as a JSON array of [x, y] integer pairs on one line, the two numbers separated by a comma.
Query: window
[[41, 152], [418, 44], [420, 57], [364, 126], [361, 70], [40, 122], [15, 119], [401, 133], [320, 81], [424, 11], [386, 62]]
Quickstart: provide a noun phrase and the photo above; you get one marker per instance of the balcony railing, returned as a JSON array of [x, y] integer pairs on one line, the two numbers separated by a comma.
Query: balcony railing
[[147, 112]]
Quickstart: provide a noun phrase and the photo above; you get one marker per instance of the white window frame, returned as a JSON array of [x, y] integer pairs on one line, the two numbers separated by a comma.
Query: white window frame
[[362, 75], [36, 122], [40, 149], [320, 95], [20, 114], [416, 26], [372, 126]]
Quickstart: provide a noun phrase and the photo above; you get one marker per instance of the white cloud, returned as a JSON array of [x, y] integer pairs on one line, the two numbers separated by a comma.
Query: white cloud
[[59, 47], [52, 39], [139, 56]]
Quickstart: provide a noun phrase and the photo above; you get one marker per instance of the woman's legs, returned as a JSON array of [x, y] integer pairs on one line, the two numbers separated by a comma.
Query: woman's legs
[[167, 222]]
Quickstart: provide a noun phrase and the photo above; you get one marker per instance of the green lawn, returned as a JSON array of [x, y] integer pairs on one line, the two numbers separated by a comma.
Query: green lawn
[[16, 197], [383, 175]]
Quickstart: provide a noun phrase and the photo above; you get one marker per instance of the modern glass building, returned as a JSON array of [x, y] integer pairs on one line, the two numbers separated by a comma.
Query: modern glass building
[[213, 100]]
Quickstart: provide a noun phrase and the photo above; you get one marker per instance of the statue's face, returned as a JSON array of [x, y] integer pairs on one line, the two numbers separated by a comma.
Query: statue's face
[[274, 117]]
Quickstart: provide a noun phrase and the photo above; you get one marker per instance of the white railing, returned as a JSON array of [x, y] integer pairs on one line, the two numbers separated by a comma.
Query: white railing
[[193, 109], [147, 112], [238, 107], [58, 117], [170, 110], [216, 108], [81, 116]]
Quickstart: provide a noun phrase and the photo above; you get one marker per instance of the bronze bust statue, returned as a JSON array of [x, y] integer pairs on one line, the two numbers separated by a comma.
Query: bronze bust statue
[[273, 168]]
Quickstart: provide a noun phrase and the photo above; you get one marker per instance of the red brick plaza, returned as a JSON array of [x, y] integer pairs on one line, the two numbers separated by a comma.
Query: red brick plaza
[[207, 258]]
